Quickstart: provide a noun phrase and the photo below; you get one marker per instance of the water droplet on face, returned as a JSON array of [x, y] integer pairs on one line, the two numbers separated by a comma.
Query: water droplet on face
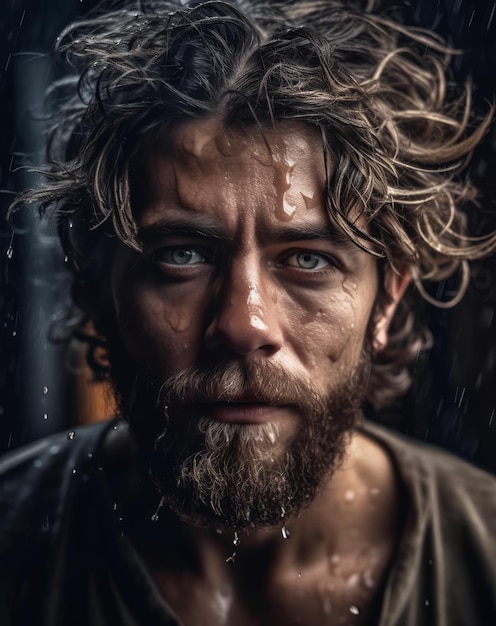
[[349, 287], [285, 532], [283, 511], [326, 606], [368, 579], [354, 610], [349, 495], [45, 390], [231, 559], [71, 434], [353, 580], [236, 539]]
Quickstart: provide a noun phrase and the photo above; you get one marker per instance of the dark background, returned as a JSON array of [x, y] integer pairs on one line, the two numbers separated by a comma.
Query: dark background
[[453, 400]]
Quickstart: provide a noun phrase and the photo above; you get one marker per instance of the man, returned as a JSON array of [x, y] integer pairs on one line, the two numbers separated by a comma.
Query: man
[[247, 195]]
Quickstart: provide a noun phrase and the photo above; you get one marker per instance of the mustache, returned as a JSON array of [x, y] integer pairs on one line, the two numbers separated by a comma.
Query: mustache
[[257, 381]]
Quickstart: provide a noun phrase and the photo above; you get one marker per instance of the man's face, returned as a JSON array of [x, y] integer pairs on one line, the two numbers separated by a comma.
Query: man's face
[[244, 320]]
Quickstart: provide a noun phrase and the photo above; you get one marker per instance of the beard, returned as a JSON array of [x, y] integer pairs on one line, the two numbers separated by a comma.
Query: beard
[[240, 476]]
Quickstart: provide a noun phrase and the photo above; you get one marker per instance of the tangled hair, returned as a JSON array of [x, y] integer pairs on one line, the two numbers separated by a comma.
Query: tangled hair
[[397, 133]]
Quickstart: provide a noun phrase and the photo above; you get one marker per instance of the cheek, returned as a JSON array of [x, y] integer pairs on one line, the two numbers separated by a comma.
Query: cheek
[[334, 328], [159, 328]]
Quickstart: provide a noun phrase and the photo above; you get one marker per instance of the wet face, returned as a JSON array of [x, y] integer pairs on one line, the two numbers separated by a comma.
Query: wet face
[[245, 317]]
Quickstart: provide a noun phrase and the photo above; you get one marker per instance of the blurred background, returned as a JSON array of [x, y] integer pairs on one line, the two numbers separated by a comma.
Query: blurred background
[[42, 390]]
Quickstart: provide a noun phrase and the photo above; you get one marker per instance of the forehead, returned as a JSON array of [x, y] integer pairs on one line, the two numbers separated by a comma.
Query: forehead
[[202, 166]]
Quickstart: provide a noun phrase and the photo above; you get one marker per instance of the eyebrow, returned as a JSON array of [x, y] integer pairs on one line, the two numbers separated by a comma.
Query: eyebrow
[[308, 232], [199, 227], [203, 227]]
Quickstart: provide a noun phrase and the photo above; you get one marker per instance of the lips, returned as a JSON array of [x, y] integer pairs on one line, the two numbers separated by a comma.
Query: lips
[[241, 412]]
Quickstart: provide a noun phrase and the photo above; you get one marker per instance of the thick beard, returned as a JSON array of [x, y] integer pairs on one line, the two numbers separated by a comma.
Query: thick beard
[[240, 476]]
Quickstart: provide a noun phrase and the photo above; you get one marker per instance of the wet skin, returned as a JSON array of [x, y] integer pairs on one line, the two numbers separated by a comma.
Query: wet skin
[[239, 261]]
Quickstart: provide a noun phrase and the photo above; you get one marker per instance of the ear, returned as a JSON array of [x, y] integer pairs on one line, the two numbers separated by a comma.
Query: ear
[[395, 284]]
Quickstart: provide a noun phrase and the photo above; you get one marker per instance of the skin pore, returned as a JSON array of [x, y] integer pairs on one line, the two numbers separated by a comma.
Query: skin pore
[[240, 264]]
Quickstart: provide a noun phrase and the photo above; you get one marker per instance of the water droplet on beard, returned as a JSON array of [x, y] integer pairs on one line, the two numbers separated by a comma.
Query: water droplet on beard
[[285, 532], [236, 539], [45, 416], [354, 610], [283, 511], [45, 390], [71, 434], [231, 559], [10, 252]]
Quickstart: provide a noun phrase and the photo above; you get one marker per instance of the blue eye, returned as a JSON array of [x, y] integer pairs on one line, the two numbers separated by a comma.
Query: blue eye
[[307, 261], [179, 256]]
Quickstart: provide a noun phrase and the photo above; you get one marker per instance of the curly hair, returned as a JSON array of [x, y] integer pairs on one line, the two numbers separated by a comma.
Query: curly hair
[[397, 132]]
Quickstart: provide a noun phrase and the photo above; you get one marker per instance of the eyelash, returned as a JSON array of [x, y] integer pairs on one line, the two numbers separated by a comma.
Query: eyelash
[[155, 256], [319, 256], [211, 257]]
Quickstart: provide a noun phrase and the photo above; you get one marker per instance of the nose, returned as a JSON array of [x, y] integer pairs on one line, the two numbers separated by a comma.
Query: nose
[[245, 317]]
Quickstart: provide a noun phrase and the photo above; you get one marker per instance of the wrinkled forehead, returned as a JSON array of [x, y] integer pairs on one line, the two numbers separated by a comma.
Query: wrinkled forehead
[[204, 158]]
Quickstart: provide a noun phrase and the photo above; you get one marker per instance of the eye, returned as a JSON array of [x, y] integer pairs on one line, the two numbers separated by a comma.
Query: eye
[[308, 260], [179, 256]]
